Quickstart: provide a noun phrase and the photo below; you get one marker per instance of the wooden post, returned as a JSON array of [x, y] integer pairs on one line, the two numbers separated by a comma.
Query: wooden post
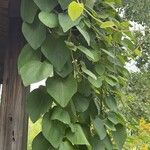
[[13, 121]]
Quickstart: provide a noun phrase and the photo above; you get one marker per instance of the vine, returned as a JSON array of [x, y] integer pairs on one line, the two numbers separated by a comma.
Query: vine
[[81, 50]]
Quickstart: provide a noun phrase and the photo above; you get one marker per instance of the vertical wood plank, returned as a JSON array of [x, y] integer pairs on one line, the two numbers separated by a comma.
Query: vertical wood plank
[[13, 125]]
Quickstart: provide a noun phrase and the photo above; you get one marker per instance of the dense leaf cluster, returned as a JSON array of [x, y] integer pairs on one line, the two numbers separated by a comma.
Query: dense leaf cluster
[[83, 64]]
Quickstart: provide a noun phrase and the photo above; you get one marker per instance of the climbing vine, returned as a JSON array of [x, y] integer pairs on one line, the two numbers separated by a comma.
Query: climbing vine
[[80, 48]]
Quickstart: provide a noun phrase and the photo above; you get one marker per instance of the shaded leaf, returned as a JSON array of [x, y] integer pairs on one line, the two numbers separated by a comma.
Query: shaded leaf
[[35, 33], [38, 103], [35, 71], [53, 131], [46, 5], [57, 54]]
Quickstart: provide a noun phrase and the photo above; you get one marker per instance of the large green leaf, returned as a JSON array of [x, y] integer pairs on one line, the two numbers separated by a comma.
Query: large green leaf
[[49, 19], [120, 135], [78, 137], [35, 71], [99, 127], [56, 52], [62, 90], [40, 143], [60, 115], [35, 33], [75, 10], [66, 23], [66, 146], [28, 10], [46, 5], [53, 131], [38, 103], [27, 54]]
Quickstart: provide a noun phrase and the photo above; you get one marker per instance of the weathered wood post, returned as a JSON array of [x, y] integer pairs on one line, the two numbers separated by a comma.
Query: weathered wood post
[[13, 121]]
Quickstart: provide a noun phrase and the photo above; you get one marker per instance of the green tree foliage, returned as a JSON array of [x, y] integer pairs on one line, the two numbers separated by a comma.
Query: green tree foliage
[[139, 11], [80, 48], [136, 98]]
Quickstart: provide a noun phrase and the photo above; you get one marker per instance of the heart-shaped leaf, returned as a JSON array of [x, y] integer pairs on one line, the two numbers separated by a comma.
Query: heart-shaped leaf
[[56, 52], [75, 10], [78, 137], [48, 19], [35, 71], [62, 90], [35, 33], [27, 54], [38, 102]]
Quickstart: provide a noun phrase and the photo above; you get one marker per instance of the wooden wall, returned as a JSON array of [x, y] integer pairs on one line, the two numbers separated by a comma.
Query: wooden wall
[[13, 118]]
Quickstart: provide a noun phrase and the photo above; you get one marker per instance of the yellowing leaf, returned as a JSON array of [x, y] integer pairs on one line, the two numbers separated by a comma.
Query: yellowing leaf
[[138, 52], [107, 24], [75, 10]]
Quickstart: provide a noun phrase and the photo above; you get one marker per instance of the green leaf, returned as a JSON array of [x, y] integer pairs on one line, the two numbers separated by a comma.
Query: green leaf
[[108, 53], [107, 24], [53, 131], [88, 72], [85, 34], [35, 71], [64, 3], [99, 127], [61, 115], [81, 103], [100, 69], [120, 136], [97, 83], [75, 10], [29, 15], [62, 90], [57, 54], [38, 103], [110, 81], [40, 143], [66, 146], [87, 52], [111, 103], [35, 33], [66, 23], [27, 54], [78, 137], [49, 19], [46, 5]]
